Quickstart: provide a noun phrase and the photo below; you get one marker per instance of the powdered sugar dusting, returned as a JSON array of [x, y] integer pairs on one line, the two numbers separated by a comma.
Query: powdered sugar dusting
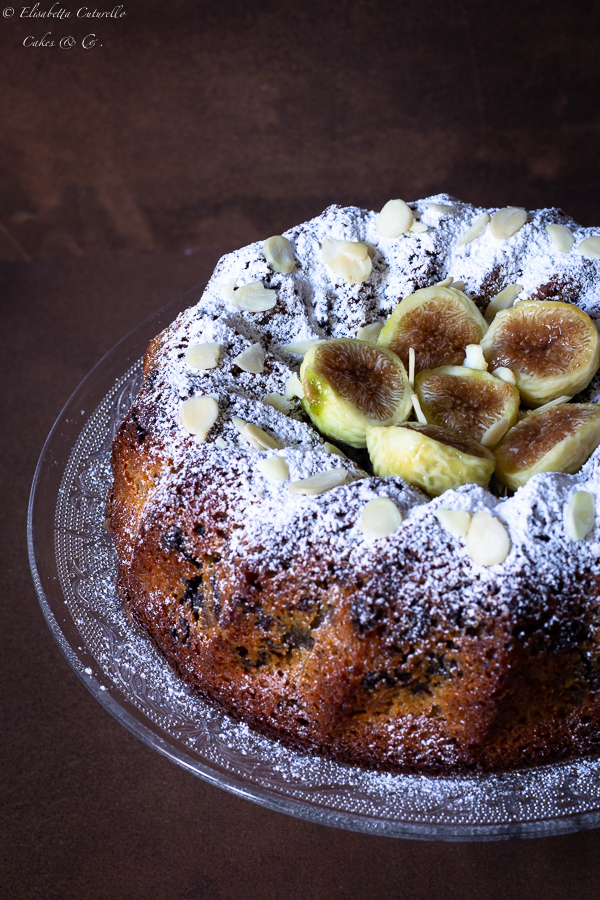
[[313, 302]]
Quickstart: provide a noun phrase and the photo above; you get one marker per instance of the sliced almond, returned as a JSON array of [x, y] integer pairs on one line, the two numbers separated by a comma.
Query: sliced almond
[[371, 248], [503, 300], [488, 542], [370, 333], [476, 229], [495, 433], [221, 443], [300, 348], [411, 366], [380, 518], [474, 358], [454, 521], [278, 402], [590, 247], [293, 387], [507, 222], [279, 254], [395, 219], [441, 209], [565, 398], [417, 408], [323, 481], [418, 227], [504, 374], [264, 440], [580, 515], [458, 285], [335, 451], [203, 356], [255, 436], [350, 259], [254, 297], [275, 468], [561, 237], [251, 360], [198, 415], [446, 282]]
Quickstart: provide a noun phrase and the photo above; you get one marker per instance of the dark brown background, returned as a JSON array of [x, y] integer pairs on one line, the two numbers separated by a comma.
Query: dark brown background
[[126, 170]]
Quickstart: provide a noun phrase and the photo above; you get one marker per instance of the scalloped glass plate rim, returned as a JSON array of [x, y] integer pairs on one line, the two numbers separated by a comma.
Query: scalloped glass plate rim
[[583, 813]]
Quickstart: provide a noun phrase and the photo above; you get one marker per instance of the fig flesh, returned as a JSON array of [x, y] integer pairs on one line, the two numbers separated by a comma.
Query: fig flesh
[[432, 458], [467, 401], [438, 322], [557, 439], [552, 348], [350, 385]]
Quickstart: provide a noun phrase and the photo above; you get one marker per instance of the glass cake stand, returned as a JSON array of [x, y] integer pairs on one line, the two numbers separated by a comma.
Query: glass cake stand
[[74, 566]]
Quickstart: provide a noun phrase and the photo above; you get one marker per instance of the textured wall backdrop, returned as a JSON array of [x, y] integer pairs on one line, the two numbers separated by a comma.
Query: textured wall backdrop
[[200, 123]]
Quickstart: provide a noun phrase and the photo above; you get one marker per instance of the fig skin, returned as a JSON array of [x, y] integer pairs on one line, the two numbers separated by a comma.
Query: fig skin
[[432, 458], [558, 439], [552, 348], [350, 385], [467, 401], [438, 322]]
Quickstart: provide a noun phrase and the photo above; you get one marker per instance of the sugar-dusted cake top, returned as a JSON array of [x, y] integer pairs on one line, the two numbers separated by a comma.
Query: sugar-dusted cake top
[[272, 522]]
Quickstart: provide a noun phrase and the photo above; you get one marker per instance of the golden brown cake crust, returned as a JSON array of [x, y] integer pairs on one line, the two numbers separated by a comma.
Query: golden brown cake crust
[[399, 653]]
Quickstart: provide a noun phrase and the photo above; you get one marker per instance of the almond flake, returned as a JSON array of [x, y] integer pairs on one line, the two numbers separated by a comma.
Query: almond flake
[[293, 387], [474, 358], [590, 247], [203, 356], [335, 451], [504, 374], [260, 437], [561, 237], [454, 521], [350, 259], [503, 300], [221, 443], [251, 360], [278, 402], [323, 481], [445, 283], [411, 366], [254, 297], [441, 209], [507, 222], [300, 348], [198, 415], [380, 518], [279, 254], [476, 229], [418, 227], [417, 408], [394, 219], [558, 401], [458, 285], [495, 433], [275, 468], [370, 333], [488, 542], [580, 515], [371, 248]]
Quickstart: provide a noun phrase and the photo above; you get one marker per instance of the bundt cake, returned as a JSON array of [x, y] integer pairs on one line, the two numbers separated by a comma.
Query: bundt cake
[[354, 502]]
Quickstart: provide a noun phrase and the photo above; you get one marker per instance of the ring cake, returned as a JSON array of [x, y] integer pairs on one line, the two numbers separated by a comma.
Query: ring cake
[[304, 507]]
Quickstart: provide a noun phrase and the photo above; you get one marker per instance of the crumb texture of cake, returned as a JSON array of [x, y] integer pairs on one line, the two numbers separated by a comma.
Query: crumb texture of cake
[[445, 634]]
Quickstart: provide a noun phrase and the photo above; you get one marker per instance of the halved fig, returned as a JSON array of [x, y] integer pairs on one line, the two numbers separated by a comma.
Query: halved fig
[[557, 439], [429, 457], [552, 348], [438, 322], [468, 401], [349, 385]]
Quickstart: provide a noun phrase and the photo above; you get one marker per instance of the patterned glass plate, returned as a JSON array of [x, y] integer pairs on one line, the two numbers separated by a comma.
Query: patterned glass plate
[[74, 565]]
